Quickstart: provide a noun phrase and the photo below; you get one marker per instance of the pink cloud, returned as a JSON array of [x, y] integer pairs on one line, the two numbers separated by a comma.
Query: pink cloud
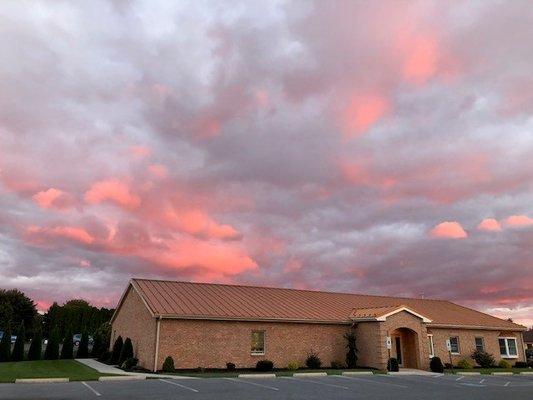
[[44, 234], [158, 171], [114, 191], [362, 112], [52, 198], [140, 151], [421, 61], [448, 229], [518, 220], [489, 224], [197, 222]]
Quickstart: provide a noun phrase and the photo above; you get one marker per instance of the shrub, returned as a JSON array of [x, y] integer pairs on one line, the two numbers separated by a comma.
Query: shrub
[[105, 357], [264, 365], [168, 365], [36, 347], [504, 364], [336, 364], [313, 361], [448, 366], [351, 355], [392, 365], [5, 345], [483, 359], [67, 351], [117, 349], [230, 366], [52, 347], [464, 364], [520, 364], [18, 350], [293, 365], [102, 339], [83, 348], [129, 363], [127, 351], [436, 365]]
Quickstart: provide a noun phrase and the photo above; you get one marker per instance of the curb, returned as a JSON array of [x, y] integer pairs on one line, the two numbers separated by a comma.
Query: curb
[[122, 378], [502, 373], [256, 376], [468, 373], [526, 373], [355, 373], [42, 380], [304, 374]]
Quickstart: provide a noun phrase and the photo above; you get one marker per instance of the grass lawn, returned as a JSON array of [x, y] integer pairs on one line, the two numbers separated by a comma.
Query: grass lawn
[[233, 374], [9, 371], [489, 370]]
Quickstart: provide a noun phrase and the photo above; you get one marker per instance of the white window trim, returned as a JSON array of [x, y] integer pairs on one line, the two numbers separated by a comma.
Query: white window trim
[[430, 339], [482, 342], [507, 355], [260, 353], [458, 345]]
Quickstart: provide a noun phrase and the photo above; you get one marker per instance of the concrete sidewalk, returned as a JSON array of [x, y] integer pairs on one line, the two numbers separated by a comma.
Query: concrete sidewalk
[[110, 369]]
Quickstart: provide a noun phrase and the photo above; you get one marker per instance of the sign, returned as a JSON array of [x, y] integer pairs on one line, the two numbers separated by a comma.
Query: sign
[[389, 342], [448, 345]]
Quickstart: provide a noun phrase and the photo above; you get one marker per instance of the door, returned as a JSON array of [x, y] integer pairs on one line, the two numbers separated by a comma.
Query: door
[[398, 343]]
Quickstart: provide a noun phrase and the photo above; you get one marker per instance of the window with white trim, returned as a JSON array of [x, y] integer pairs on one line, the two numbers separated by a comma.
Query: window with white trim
[[480, 344], [508, 347], [454, 345], [431, 347], [258, 343]]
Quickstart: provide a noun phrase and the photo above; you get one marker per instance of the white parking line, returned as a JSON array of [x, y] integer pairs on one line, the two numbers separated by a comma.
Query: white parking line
[[481, 381], [181, 386], [377, 382], [252, 383], [461, 377], [316, 382], [507, 384], [91, 389]]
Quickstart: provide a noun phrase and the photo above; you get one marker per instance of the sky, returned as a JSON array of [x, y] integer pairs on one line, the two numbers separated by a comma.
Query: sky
[[367, 147]]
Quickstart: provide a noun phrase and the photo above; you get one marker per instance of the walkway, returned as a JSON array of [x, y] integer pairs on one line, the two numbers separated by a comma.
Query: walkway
[[110, 369]]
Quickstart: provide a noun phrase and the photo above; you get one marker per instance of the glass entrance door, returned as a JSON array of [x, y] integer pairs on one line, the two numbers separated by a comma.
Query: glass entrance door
[[398, 344]]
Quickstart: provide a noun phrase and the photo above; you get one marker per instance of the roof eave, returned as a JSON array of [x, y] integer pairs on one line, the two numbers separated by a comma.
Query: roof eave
[[251, 319], [480, 327]]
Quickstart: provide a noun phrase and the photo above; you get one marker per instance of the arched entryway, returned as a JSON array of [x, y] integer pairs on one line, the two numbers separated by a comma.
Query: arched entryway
[[405, 347]]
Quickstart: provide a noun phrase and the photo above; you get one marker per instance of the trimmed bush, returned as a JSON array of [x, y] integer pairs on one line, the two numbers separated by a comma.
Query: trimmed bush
[[18, 350], [351, 355], [67, 351], [117, 349], [520, 364], [36, 347], [464, 364], [504, 364], [127, 351], [5, 345], [83, 348], [129, 363], [436, 365], [336, 364], [293, 365], [392, 365], [483, 359], [313, 361], [105, 357], [264, 365], [448, 366], [230, 367], [168, 365], [52, 347]]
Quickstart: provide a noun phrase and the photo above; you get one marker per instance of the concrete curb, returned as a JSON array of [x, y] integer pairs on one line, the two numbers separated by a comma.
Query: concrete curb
[[122, 378], [526, 373], [256, 376], [356, 373], [468, 373], [42, 380], [502, 373], [304, 374]]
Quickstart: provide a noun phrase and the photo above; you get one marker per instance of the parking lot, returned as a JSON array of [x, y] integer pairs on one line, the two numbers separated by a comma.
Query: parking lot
[[338, 387]]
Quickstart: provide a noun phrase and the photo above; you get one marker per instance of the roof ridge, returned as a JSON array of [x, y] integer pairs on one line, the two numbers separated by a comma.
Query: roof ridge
[[289, 289]]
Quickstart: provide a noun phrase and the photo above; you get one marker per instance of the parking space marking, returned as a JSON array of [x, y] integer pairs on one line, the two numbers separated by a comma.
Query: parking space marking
[[316, 382], [181, 386], [472, 384], [461, 377], [91, 389], [481, 381], [252, 383], [507, 384], [377, 382]]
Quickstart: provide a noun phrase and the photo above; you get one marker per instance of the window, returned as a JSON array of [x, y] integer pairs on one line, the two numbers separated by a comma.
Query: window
[[480, 344], [454, 344], [508, 347], [431, 348], [258, 342]]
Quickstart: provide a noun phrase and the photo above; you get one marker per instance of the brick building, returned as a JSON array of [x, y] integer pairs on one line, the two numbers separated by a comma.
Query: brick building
[[209, 325]]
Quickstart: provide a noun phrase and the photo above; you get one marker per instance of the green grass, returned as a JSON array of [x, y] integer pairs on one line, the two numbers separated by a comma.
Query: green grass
[[234, 374], [9, 371], [489, 370]]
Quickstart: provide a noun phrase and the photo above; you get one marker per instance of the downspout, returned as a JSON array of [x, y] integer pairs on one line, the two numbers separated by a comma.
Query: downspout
[[158, 329]]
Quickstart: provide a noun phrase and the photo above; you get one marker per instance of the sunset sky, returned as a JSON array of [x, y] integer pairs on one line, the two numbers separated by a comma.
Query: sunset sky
[[371, 147]]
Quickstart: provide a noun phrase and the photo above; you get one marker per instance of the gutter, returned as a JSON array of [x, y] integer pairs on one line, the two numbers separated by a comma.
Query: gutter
[[157, 332]]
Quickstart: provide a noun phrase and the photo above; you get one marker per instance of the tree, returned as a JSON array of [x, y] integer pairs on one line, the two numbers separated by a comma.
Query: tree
[[36, 347], [168, 365], [83, 348], [15, 306], [52, 348], [127, 351], [67, 351], [351, 355], [18, 350], [5, 344], [102, 339], [117, 349]]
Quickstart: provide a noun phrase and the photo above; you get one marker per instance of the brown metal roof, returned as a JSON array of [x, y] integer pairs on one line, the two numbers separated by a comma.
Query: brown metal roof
[[171, 299]]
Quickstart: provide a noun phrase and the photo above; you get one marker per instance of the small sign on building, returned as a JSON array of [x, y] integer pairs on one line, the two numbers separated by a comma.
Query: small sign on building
[[448, 345], [389, 342]]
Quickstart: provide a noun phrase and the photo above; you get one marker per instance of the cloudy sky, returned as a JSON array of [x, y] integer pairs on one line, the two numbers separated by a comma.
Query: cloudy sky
[[374, 147]]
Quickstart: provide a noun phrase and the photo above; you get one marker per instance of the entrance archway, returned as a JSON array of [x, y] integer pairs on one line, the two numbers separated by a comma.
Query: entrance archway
[[405, 347]]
